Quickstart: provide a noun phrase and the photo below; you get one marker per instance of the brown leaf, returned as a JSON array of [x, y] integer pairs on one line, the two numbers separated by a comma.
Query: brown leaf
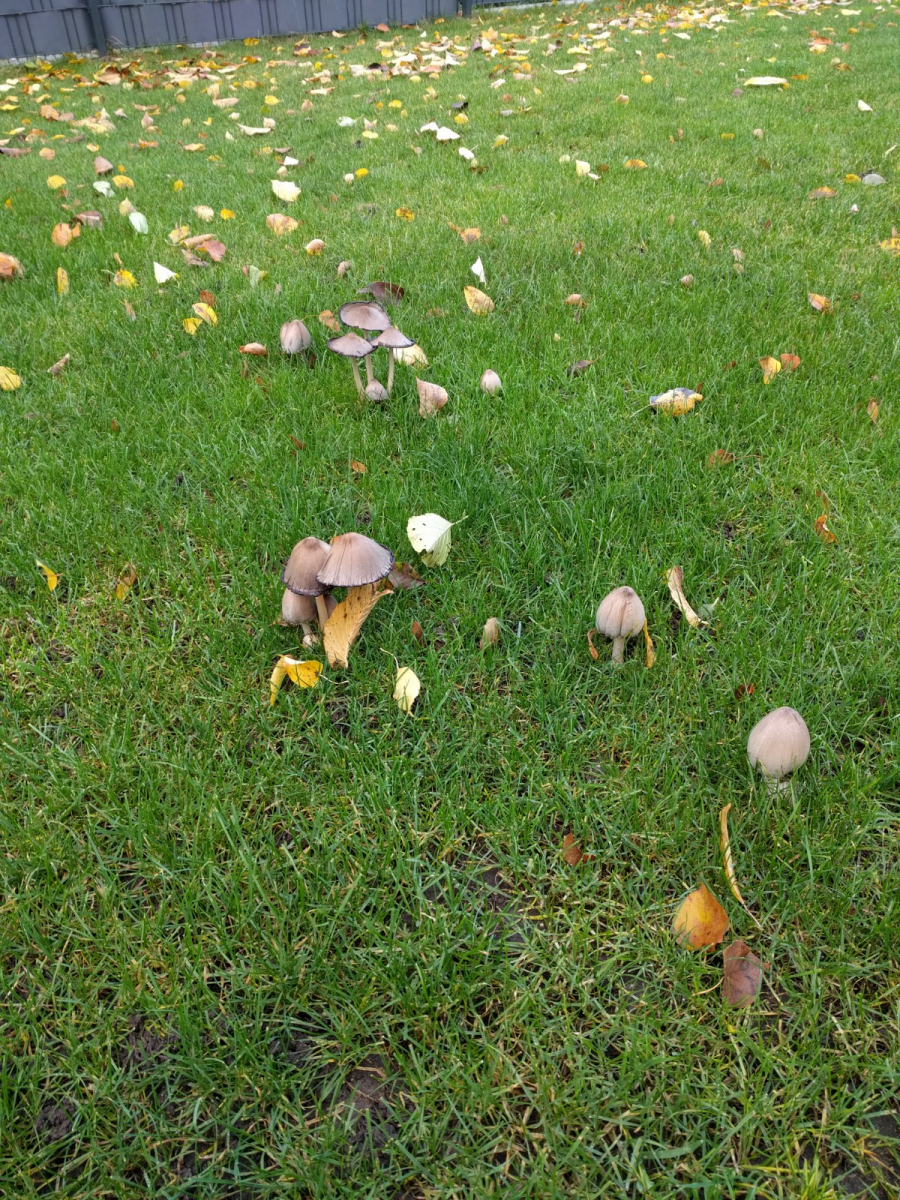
[[417, 632], [743, 689], [470, 235], [725, 846], [192, 260], [742, 975], [10, 267], [432, 397], [402, 575], [300, 445], [479, 302], [578, 368], [872, 409], [571, 853], [719, 458], [575, 300], [214, 248], [700, 920], [329, 320], [208, 298], [790, 362], [63, 233], [343, 626], [592, 649], [820, 303], [578, 249], [358, 468], [59, 366], [126, 581], [382, 290], [822, 529]]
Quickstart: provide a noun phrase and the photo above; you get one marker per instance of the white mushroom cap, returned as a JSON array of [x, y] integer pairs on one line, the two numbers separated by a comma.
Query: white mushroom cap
[[355, 560], [350, 345], [376, 392], [364, 315], [307, 559], [490, 382], [779, 743], [621, 614], [294, 337], [393, 339]]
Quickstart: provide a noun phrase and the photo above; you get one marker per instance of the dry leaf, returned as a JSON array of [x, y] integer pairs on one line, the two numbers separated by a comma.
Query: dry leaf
[[490, 634], [700, 920], [285, 190], [253, 348], [822, 529], [649, 648], [59, 366], [51, 577], [820, 303], [205, 312], [162, 274], [635, 164], [430, 536], [329, 320], [344, 624], [62, 281], [578, 367], [212, 247], [575, 300], [358, 468], [10, 267], [742, 975], [479, 303], [63, 233], [382, 290], [343, 267], [124, 279], [770, 368], [572, 853], [822, 193], [126, 581], [592, 649], [280, 224], [872, 409], [725, 845], [417, 632], [405, 214], [407, 686], [316, 246], [719, 458], [705, 239], [675, 402], [675, 580], [470, 235], [402, 575], [432, 397], [55, 182], [790, 362], [9, 380], [892, 245], [303, 674]]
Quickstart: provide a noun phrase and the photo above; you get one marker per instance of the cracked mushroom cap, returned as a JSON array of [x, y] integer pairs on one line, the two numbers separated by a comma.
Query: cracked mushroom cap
[[621, 614], [360, 315], [307, 559], [779, 743], [355, 560], [350, 345], [393, 339]]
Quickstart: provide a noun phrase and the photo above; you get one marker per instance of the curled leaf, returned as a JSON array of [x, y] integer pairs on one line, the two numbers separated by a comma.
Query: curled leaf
[[50, 576], [822, 529], [126, 581], [675, 581], [429, 535], [649, 648], [254, 348], [343, 626], [479, 303], [675, 402], [770, 368], [725, 844], [62, 281], [205, 312], [719, 458], [741, 976], [303, 674], [59, 366], [820, 303], [280, 224], [491, 633], [700, 920], [592, 649], [10, 267], [407, 686]]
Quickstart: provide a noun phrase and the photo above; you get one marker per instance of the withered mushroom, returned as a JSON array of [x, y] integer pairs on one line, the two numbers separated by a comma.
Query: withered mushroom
[[620, 616], [352, 346], [300, 571], [367, 316], [393, 340]]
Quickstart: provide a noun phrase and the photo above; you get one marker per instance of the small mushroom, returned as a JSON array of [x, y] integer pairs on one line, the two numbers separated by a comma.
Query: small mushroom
[[367, 316], [299, 575], [620, 616], [305, 611], [393, 339], [778, 745], [376, 392], [352, 346], [490, 382], [354, 560], [295, 337]]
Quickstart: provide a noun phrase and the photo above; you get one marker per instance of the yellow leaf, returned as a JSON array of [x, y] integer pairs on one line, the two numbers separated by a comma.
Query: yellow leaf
[[675, 402], [303, 674], [892, 245], [51, 576], [227, 214], [9, 380], [271, 100], [700, 920], [820, 303], [126, 581], [705, 239], [178, 234], [10, 267], [649, 79], [124, 279], [191, 325], [650, 648], [770, 368], [122, 181], [500, 141], [725, 843], [361, 172], [280, 224], [344, 624], [205, 312], [62, 281], [406, 688], [178, 186], [675, 580], [54, 182], [478, 302], [872, 409], [635, 164], [405, 214]]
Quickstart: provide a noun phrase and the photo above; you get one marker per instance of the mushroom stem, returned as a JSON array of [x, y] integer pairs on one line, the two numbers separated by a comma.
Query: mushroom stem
[[307, 629], [369, 375], [390, 382], [322, 609], [618, 650], [359, 383]]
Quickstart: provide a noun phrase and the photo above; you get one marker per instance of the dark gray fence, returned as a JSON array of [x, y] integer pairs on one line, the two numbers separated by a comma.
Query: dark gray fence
[[32, 28]]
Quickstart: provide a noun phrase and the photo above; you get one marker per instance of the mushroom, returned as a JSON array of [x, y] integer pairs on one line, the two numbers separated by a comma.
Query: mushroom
[[393, 339], [620, 616], [299, 575], [367, 316], [295, 337], [375, 392], [352, 346], [490, 382], [304, 611], [354, 561], [778, 745]]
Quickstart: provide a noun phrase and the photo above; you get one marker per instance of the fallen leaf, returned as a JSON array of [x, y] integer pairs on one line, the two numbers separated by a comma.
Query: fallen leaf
[[675, 581], [280, 224], [205, 312], [253, 348], [675, 402], [470, 235], [358, 468], [62, 281], [382, 290], [138, 222], [574, 300], [124, 279], [725, 846], [407, 686], [635, 164], [770, 368], [418, 632], [820, 303], [344, 624], [741, 976], [212, 247], [255, 275], [490, 635], [767, 81], [872, 409], [479, 303], [126, 581], [577, 368], [705, 239], [411, 356], [432, 397], [303, 674], [822, 529], [700, 920], [123, 181], [891, 244], [649, 648], [64, 233], [10, 267], [102, 166], [227, 214], [329, 320], [9, 380], [790, 362], [592, 649], [285, 190], [821, 193], [477, 269], [572, 853], [720, 458], [191, 325], [343, 267], [55, 182], [402, 575], [405, 214], [863, 107], [429, 536], [316, 246], [162, 274]]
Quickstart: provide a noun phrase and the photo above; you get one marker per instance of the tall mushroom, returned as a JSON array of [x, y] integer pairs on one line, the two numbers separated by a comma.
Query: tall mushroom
[[352, 346], [393, 340], [299, 576], [356, 563], [620, 616], [778, 745], [370, 318]]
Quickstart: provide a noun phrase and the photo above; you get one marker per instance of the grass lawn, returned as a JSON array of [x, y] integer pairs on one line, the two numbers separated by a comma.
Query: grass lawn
[[326, 949]]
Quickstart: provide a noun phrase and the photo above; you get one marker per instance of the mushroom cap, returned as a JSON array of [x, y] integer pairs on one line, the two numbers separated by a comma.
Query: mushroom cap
[[297, 610], [393, 339], [376, 392], [355, 560], [350, 345], [779, 743], [299, 574], [621, 614], [490, 382], [364, 315], [294, 337]]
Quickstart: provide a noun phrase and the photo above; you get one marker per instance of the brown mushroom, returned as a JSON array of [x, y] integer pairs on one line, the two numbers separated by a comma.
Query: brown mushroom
[[354, 560], [393, 340], [306, 611], [299, 574], [352, 346], [369, 317]]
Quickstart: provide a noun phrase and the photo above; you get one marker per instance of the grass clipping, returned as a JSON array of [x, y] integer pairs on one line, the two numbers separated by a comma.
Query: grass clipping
[[343, 626]]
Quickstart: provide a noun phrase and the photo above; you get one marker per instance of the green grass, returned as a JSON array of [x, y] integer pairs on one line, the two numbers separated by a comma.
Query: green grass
[[229, 929]]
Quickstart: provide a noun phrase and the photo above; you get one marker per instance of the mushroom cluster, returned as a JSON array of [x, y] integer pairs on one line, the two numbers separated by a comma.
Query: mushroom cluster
[[373, 320]]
